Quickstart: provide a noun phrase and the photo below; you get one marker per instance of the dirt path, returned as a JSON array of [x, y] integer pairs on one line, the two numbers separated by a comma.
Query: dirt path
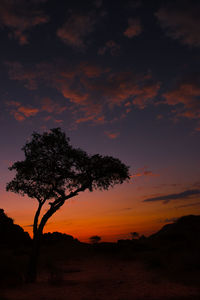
[[100, 279]]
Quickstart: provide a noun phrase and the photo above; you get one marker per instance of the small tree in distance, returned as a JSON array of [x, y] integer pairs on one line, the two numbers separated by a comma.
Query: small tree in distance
[[95, 239], [134, 235], [53, 172]]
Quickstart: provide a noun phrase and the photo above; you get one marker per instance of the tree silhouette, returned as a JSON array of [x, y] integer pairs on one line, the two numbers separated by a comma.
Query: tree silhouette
[[95, 239], [134, 235], [53, 172]]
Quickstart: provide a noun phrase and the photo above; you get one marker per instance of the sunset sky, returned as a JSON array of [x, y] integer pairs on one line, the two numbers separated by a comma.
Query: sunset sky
[[121, 78]]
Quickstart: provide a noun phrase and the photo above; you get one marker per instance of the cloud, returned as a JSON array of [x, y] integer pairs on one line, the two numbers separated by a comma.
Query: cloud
[[135, 4], [98, 3], [198, 127], [112, 47], [19, 17], [168, 220], [77, 28], [185, 97], [90, 90], [143, 172], [181, 21], [21, 112], [112, 135], [167, 198], [134, 28], [52, 107], [17, 72], [27, 111], [120, 86], [189, 205]]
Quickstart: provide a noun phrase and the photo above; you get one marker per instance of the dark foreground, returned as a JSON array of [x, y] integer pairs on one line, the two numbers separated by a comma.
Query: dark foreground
[[164, 266], [98, 278]]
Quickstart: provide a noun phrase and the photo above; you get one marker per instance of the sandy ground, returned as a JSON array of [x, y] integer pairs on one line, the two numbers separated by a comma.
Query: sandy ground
[[98, 279]]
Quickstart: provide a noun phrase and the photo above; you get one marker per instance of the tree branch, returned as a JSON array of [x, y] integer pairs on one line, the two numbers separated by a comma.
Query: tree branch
[[37, 214], [56, 205]]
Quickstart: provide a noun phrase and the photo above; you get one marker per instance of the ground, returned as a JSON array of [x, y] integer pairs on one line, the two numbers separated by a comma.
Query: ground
[[101, 278]]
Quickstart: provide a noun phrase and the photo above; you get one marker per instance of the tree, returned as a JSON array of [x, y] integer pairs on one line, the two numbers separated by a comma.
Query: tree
[[95, 239], [134, 235], [53, 172]]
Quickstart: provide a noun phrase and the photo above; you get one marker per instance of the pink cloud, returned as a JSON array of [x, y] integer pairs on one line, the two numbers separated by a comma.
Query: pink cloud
[[19, 17], [134, 28], [181, 21]]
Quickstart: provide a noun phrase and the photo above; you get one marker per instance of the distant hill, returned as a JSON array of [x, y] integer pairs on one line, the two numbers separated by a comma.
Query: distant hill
[[10, 233], [185, 229]]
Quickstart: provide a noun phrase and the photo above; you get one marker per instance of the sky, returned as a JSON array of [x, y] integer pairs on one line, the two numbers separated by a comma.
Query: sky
[[121, 78]]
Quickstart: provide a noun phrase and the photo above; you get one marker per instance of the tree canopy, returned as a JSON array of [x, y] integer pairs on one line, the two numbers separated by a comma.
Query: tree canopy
[[54, 170]]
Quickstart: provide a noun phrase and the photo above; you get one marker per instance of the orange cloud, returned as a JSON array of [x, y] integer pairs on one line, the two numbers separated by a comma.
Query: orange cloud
[[19, 17], [27, 111], [181, 20], [134, 28], [21, 112], [19, 117], [89, 89]]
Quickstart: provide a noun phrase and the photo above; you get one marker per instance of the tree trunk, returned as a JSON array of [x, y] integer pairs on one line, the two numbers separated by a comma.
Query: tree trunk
[[31, 275]]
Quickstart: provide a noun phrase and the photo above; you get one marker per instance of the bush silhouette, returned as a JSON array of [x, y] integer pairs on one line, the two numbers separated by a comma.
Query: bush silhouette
[[95, 239], [10, 233]]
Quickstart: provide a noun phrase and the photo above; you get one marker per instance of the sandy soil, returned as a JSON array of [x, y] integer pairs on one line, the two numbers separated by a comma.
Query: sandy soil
[[98, 279]]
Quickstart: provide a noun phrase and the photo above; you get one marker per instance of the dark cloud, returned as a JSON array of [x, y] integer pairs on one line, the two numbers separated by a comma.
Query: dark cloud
[[181, 21], [98, 3], [189, 205], [134, 28], [167, 198], [112, 47], [19, 16], [185, 97], [75, 31]]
